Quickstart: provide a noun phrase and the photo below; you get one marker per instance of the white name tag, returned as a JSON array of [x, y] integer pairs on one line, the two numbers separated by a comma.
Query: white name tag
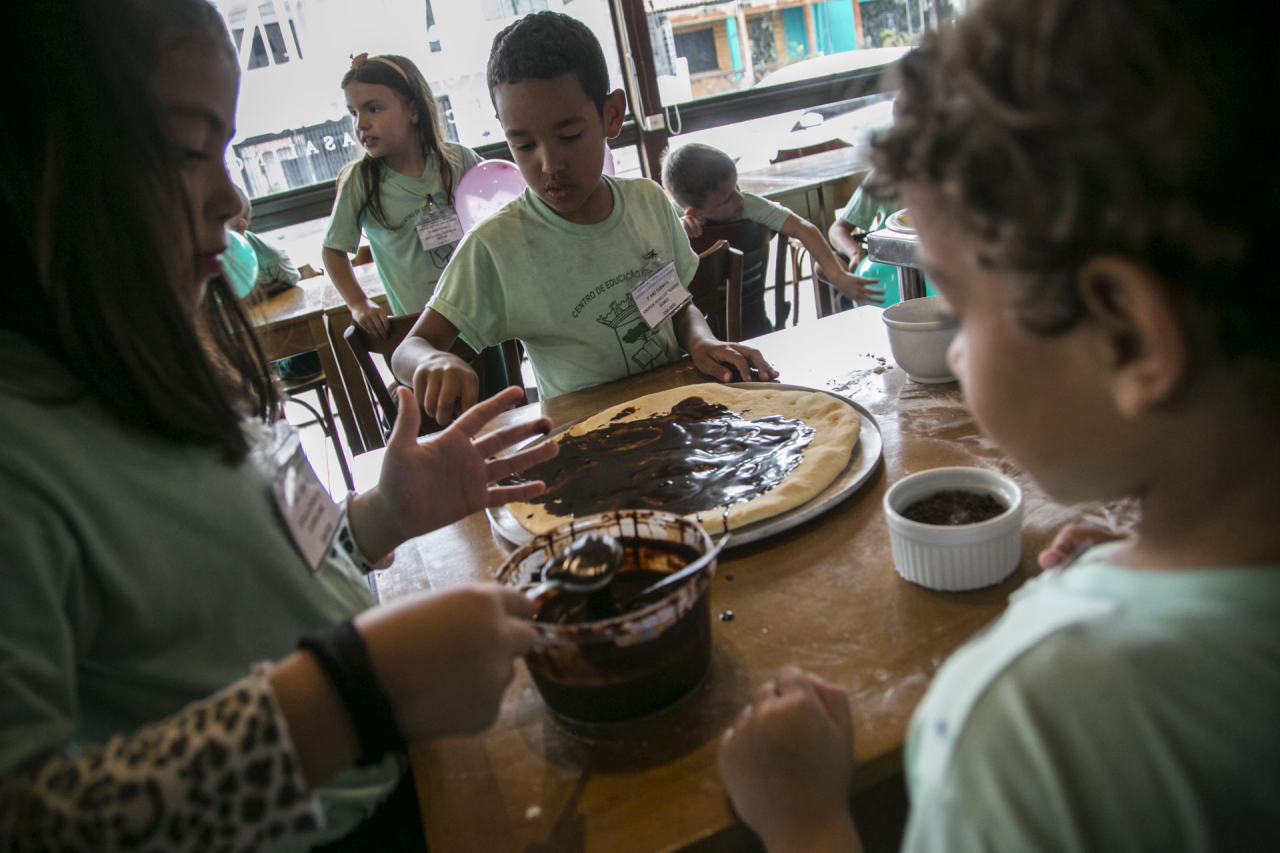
[[438, 227], [660, 295], [306, 507]]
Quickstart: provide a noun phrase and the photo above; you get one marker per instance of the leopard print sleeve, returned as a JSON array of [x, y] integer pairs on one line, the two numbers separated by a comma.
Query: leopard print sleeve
[[219, 775]]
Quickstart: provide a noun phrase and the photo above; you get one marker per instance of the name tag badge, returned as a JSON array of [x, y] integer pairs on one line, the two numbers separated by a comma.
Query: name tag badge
[[439, 226], [307, 509], [660, 295]]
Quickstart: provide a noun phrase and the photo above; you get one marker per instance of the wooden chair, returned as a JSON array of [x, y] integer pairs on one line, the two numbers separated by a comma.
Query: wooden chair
[[291, 389], [363, 345], [717, 290], [826, 299], [796, 252], [746, 236]]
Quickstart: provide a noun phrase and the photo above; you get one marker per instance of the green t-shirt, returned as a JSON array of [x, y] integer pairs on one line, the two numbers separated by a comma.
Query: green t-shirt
[[1146, 722], [409, 272], [770, 214], [140, 576], [565, 289]]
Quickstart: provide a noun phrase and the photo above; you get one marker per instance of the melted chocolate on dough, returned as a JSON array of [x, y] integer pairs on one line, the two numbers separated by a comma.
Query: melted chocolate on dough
[[698, 456]]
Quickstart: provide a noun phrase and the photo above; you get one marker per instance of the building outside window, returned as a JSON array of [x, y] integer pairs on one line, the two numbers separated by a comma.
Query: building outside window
[[292, 125]]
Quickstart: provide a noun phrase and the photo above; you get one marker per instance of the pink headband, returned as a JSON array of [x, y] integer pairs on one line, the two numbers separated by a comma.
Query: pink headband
[[360, 59]]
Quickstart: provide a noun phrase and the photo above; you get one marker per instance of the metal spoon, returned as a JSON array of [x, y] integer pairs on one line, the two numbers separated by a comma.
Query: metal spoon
[[586, 566], [684, 574]]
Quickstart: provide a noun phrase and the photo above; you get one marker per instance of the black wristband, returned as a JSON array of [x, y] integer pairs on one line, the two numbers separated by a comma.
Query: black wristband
[[342, 654]]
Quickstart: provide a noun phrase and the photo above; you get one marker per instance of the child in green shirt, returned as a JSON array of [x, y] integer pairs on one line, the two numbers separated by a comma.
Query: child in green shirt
[[1091, 199], [556, 268], [704, 181], [399, 194]]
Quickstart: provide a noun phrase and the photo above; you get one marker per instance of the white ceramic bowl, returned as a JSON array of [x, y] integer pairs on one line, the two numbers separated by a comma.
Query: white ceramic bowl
[[920, 330], [961, 556]]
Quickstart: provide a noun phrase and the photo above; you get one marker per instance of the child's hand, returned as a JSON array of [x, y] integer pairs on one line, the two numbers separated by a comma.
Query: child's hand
[[1073, 540], [861, 290], [787, 764], [446, 386], [692, 225], [371, 318], [443, 660], [430, 482], [731, 362]]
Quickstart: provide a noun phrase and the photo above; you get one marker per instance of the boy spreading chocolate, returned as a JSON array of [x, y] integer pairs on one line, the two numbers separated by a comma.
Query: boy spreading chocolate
[[558, 267], [1089, 196]]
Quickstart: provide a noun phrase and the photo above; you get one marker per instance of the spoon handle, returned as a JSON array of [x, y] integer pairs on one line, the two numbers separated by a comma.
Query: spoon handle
[[688, 571]]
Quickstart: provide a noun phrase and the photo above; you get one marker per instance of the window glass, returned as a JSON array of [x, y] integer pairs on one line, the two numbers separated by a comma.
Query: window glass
[[709, 48], [291, 123]]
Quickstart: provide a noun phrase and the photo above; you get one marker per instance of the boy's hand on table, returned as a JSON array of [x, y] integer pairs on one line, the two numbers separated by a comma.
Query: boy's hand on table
[[446, 386], [427, 483], [1072, 541], [787, 764], [731, 362], [371, 318], [443, 660], [859, 289], [692, 225]]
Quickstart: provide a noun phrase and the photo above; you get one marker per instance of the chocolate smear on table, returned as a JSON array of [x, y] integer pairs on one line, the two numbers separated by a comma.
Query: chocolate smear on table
[[696, 457], [954, 507]]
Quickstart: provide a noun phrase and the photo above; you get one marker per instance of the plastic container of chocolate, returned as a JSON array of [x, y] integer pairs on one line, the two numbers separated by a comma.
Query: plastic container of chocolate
[[650, 655]]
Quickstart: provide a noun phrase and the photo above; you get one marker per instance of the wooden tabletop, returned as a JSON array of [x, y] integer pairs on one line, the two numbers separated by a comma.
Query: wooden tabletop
[[823, 596], [805, 173]]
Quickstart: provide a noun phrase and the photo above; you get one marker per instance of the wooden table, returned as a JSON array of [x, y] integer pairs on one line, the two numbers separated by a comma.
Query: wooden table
[[823, 595], [292, 322], [812, 187]]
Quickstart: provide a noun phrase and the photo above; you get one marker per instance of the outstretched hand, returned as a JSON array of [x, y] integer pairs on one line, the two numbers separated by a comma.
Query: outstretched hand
[[787, 764], [1073, 540], [427, 483]]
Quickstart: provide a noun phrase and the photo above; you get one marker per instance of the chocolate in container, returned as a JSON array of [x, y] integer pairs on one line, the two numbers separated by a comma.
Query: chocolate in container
[[639, 662]]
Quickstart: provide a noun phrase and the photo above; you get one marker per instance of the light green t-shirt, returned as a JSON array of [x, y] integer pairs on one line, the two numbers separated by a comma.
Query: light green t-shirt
[[409, 271], [565, 289], [1148, 721], [868, 212], [140, 576], [770, 214]]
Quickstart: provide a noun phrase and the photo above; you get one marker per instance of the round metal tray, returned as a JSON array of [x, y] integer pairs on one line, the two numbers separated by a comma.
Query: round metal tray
[[863, 462]]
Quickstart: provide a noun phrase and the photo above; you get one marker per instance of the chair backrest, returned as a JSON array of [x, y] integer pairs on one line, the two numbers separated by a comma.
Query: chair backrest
[[826, 299], [745, 235], [796, 153], [363, 345], [717, 290]]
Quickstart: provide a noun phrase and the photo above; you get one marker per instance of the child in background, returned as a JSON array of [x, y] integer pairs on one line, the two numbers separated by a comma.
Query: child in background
[[276, 270], [1086, 183], [152, 694], [867, 210], [399, 194], [555, 268], [704, 182]]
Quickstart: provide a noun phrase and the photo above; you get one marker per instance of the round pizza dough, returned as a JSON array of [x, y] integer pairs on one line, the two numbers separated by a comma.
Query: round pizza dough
[[835, 425]]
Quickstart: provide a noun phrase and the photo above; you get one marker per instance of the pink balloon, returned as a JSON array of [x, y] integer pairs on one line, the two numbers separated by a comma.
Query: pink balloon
[[484, 189], [608, 161]]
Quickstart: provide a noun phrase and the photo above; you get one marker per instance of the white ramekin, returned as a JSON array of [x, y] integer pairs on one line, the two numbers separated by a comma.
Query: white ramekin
[[920, 331], [955, 557]]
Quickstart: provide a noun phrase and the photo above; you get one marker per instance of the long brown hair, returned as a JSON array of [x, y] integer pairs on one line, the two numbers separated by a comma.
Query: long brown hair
[[86, 195], [411, 88]]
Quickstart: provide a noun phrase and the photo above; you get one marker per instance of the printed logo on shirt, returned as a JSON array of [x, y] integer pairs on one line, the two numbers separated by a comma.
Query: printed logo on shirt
[[641, 346]]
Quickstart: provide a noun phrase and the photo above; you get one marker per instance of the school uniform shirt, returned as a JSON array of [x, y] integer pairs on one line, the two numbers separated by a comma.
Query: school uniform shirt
[[770, 214], [1108, 709], [140, 578], [409, 272], [565, 289]]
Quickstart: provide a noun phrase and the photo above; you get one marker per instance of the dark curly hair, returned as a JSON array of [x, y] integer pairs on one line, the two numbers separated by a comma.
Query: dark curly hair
[[692, 170], [1059, 130], [545, 45]]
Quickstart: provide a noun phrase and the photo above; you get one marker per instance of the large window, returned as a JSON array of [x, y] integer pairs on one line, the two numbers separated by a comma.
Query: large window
[[292, 125]]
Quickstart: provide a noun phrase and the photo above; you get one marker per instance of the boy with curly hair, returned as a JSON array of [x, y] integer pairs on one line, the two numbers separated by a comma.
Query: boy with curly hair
[[1090, 197]]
